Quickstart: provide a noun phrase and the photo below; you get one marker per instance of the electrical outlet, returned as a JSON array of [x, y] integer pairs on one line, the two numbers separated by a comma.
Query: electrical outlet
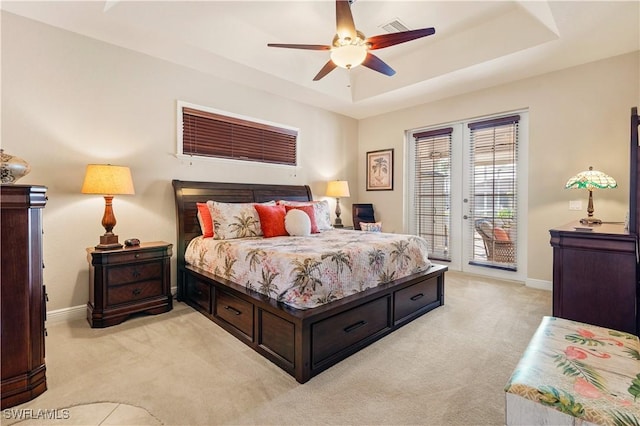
[[575, 205]]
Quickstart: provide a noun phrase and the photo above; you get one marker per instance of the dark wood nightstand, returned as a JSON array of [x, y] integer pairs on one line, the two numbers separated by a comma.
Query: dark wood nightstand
[[129, 280]]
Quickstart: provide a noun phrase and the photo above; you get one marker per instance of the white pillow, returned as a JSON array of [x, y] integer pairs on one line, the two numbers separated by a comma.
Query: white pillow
[[297, 223], [320, 211]]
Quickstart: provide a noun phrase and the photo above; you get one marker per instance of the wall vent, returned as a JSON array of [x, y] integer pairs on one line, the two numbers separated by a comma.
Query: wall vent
[[394, 26]]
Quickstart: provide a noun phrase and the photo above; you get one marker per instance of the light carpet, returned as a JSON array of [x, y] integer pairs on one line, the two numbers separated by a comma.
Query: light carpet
[[448, 367]]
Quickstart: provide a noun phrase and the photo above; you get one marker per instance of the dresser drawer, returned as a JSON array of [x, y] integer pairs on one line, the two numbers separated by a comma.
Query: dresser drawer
[[117, 275], [234, 311], [134, 292], [200, 294], [411, 299], [338, 332], [125, 256]]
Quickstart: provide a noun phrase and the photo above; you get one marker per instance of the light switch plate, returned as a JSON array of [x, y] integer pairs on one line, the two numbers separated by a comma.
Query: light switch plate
[[575, 205]]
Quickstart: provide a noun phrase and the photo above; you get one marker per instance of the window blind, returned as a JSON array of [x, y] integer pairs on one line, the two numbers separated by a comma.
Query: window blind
[[432, 190], [493, 191], [215, 135]]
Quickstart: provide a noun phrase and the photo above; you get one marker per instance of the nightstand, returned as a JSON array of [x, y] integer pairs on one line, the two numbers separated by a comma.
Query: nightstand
[[129, 280]]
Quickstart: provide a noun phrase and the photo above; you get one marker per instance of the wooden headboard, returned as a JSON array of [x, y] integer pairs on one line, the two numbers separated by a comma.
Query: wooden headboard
[[188, 193]]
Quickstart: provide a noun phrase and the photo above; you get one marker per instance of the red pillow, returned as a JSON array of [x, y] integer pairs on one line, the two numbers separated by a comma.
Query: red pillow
[[272, 220], [309, 210], [206, 222], [500, 234]]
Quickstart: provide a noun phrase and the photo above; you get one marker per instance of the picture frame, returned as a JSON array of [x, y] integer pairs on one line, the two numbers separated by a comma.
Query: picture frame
[[380, 170]]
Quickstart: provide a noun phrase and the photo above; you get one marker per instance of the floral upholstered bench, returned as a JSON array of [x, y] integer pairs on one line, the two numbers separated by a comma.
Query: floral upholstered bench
[[576, 374]]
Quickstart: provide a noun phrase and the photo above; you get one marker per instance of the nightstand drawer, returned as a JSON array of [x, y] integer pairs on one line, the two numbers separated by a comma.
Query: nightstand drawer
[[133, 292], [135, 272], [128, 256]]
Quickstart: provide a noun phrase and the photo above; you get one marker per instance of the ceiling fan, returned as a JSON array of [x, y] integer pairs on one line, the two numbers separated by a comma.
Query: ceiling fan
[[350, 48]]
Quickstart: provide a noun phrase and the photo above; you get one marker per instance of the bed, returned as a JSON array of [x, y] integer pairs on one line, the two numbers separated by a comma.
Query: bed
[[303, 342]]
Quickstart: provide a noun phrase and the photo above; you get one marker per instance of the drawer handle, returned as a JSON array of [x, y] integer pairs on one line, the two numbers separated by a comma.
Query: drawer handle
[[354, 326], [136, 292], [137, 255], [135, 273], [234, 310], [417, 296]]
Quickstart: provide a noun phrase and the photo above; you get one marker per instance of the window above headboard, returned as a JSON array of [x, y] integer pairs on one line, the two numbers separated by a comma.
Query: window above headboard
[[205, 132]]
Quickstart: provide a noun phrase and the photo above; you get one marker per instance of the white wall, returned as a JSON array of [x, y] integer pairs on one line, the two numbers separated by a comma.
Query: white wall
[[68, 101], [577, 117]]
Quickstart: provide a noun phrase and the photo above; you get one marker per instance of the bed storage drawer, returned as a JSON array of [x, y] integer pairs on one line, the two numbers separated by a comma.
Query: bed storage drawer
[[341, 331], [234, 311], [199, 293], [409, 300]]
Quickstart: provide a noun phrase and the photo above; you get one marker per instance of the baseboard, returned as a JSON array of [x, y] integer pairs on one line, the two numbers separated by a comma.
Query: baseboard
[[539, 284], [67, 314], [76, 312]]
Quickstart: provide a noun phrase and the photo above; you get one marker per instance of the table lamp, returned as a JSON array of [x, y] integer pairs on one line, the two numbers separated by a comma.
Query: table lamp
[[590, 180], [338, 189], [108, 180]]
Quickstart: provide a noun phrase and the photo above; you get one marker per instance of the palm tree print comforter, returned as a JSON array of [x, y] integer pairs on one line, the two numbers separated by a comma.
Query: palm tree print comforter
[[305, 272]]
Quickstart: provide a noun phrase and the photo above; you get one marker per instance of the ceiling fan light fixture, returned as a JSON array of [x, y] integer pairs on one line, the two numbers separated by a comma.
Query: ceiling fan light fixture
[[348, 56], [347, 52]]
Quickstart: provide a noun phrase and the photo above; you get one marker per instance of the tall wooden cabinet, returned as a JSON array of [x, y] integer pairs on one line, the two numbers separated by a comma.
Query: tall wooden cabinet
[[23, 296], [594, 276]]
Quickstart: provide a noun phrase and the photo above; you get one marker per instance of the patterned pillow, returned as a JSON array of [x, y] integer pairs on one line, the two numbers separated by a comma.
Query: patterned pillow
[[371, 227], [320, 210], [235, 220]]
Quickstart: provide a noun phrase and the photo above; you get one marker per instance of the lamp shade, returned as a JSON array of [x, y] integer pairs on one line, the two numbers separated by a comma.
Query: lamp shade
[[591, 179], [338, 189], [107, 180]]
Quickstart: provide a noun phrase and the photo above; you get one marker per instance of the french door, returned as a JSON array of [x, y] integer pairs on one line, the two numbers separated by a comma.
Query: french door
[[467, 193]]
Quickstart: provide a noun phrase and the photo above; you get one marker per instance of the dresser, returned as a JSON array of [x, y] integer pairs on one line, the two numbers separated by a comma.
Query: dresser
[[594, 275], [22, 294], [126, 281]]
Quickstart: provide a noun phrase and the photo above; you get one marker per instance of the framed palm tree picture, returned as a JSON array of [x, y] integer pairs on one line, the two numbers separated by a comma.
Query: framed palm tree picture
[[380, 170]]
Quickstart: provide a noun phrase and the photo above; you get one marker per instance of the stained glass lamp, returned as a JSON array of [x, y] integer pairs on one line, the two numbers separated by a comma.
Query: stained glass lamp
[[590, 180]]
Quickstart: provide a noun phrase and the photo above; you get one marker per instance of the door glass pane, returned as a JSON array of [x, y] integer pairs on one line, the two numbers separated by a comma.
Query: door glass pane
[[493, 198], [432, 193]]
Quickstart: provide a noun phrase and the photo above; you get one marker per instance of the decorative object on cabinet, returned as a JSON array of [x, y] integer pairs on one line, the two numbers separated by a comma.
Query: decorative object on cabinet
[[380, 170], [23, 295], [126, 281], [338, 189], [13, 168], [362, 213], [590, 180], [108, 180]]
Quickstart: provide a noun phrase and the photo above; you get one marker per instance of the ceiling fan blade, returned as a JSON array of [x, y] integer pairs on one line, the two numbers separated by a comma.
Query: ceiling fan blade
[[377, 64], [328, 67], [386, 40], [301, 46], [345, 27]]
